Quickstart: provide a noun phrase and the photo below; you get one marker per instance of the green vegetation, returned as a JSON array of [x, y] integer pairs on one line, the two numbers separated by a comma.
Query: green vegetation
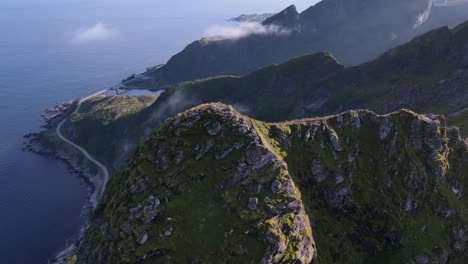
[[48, 143], [109, 127], [317, 84], [106, 110], [373, 226], [460, 121], [191, 164], [377, 188], [380, 189]]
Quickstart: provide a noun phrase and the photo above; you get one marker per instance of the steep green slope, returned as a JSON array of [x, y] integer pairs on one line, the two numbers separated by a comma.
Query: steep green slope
[[204, 188], [271, 93], [109, 127], [380, 189], [213, 186]]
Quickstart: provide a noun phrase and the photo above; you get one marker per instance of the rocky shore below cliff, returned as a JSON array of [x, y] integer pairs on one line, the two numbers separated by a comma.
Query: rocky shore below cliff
[[47, 144]]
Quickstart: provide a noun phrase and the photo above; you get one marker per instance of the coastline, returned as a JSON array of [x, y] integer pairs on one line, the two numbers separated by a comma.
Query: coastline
[[99, 184], [48, 144], [75, 165], [52, 144], [76, 169]]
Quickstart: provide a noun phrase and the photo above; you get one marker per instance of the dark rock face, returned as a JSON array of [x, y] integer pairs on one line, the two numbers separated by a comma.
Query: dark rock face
[[288, 18], [359, 185], [372, 186]]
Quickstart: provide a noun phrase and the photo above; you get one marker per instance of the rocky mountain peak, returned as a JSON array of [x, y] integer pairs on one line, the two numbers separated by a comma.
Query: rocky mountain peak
[[288, 18], [290, 192], [245, 207]]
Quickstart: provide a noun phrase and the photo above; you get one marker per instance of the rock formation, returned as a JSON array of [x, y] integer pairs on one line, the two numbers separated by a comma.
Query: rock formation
[[214, 186]]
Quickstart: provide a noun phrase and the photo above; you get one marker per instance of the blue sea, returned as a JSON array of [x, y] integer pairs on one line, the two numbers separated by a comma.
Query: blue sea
[[51, 52]]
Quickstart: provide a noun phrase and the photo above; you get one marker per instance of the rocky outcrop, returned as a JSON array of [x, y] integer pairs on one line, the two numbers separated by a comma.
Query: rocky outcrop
[[288, 18], [251, 195], [52, 116], [390, 170], [367, 185]]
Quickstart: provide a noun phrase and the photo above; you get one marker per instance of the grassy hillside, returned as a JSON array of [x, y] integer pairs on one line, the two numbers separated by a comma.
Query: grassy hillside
[[377, 189], [109, 127], [184, 197]]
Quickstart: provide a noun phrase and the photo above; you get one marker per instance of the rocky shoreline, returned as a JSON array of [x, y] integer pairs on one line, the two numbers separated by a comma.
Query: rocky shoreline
[[34, 143], [53, 115]]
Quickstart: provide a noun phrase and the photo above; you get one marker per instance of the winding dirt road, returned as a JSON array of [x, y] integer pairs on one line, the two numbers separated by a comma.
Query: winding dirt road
[[105, 172]]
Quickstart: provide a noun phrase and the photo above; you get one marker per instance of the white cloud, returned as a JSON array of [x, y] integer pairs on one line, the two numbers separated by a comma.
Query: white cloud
[[243, 30], [97, 33]]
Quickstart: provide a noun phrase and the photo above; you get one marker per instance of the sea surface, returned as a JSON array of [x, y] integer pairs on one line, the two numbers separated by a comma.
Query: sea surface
[[51, 52]]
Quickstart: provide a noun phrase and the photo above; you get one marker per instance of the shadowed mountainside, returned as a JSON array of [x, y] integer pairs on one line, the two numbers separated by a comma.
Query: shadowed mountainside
[[354, 31]]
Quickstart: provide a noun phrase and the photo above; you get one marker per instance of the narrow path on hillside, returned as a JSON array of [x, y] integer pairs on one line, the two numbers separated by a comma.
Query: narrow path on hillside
[[103, 168]]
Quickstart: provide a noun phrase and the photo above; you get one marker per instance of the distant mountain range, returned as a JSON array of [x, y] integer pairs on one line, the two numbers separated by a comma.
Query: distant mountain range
[[354, 31]]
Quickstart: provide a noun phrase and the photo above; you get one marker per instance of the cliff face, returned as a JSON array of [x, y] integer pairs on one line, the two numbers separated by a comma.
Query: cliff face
[[212, 185], [289, 18], [354, 31], [380, 189]]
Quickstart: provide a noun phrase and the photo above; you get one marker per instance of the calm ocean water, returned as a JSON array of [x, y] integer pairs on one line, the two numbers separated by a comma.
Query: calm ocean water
[[50, 53]]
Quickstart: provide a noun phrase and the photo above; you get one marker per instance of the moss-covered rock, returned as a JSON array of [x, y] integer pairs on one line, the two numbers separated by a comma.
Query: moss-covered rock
[[200, 191], [213, 186]]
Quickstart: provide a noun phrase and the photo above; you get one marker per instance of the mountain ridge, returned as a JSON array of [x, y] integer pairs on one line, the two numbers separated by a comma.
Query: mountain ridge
[[412, 76], [318, 84], [324, 167], [353, 34]]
